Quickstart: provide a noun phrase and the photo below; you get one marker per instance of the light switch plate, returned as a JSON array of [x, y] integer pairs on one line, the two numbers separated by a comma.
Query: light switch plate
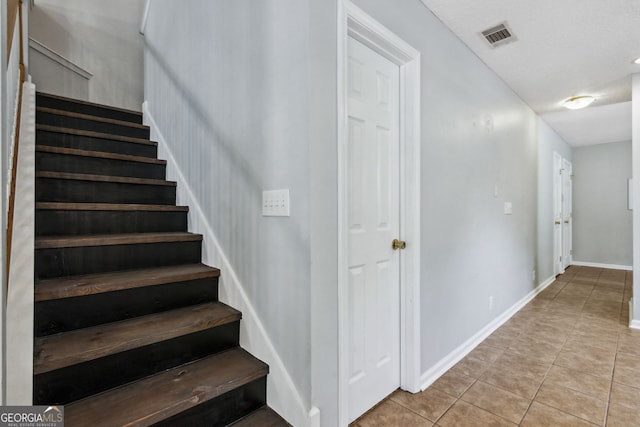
[[508, 208], [275, 203]]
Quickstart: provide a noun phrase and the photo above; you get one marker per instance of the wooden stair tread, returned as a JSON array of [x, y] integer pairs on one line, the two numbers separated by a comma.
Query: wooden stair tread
[[98, 154], [92, 104], [89, 284], [263, 417], [49, 242], [163, 395], [92, 134], [69, 348], [104, 178], [90, 117], [65, 206]]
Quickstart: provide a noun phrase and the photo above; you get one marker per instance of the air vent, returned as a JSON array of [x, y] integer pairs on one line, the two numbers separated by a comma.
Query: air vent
[[499, 35]]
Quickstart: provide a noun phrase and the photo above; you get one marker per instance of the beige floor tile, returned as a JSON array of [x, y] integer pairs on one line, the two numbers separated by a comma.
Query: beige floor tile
[[572, 402], [535, 349], [604, 353], [540, 415], [430, 404], [597, 387], [625, 396], [462, 414], [626, 376], [453, 383], [509, 361], [497, 401], [487, 352], [471, 367], [628, 361], [622, 416], [585, 362], [389, 413], [562, 350], [514, 381]]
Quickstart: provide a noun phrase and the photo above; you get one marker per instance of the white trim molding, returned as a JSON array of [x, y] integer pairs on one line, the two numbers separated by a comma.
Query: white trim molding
[[145, 16], [20, 304], [283, 396], [57, 58], [447, 362], [633, 324], [354, 22], [601, 265]]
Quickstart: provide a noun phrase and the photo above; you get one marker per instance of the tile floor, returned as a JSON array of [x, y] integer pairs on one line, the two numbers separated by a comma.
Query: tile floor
[[566, 359]]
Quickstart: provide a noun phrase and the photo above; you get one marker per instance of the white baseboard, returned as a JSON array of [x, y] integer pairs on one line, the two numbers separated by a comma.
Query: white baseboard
[[633, 324], [601, 265], [282, 394], [447, 362]]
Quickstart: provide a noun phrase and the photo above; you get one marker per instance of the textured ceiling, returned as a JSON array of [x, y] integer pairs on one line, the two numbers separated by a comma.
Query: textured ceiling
[[564, 48]]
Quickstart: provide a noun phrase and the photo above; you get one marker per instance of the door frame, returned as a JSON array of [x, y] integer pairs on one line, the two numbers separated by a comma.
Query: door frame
[[567, 236], [354, 22], [558, 242]]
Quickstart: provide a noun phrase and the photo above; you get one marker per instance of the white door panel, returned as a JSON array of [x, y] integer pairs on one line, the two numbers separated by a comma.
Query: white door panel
[[373, 212]]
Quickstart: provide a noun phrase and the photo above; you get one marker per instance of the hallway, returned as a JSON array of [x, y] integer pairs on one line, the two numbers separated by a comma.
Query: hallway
[[567, 358]]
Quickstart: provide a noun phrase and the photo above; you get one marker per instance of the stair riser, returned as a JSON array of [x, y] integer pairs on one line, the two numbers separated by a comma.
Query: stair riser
[[66, 190], [93, 110], [51, 119], [54, 162], [224, 409], [77, 381], [55, 316], [68, 223], [66, 140], [58, 262]]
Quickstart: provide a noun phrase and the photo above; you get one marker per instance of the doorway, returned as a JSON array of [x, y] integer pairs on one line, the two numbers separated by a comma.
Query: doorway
[[562, 213], [379, 201]]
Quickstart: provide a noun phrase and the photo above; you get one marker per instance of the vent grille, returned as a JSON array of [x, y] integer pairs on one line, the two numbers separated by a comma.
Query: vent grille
[[498, 35]]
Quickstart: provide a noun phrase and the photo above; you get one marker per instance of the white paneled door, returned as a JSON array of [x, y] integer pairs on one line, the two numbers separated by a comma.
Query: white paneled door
[[373, 88]]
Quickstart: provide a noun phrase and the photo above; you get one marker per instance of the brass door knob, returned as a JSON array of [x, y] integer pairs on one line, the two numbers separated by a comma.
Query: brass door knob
[[398, 244], [558, 222]]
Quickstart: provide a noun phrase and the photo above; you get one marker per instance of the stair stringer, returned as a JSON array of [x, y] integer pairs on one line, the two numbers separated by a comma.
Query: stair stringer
[[283, 396], [20, 305]]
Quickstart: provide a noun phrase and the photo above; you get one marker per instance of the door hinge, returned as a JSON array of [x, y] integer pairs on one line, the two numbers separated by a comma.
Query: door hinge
[[560, 257]]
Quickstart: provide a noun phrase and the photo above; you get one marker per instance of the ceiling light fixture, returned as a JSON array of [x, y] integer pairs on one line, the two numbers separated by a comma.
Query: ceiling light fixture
[[578, 102], [637, 61]]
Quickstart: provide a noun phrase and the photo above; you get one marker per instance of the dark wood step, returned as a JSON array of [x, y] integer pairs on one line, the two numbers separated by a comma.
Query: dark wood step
[[263, 417], [106, 218], [59, 159], [94, 141], [109, 355], [168, 394], [61, 118], [70, 348], [57, 256], [65, 304], [50, 242], [75, 105], [91, 284], [85, 188]]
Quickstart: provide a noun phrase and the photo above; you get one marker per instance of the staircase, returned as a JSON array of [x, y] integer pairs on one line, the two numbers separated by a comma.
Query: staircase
[[128, 326]]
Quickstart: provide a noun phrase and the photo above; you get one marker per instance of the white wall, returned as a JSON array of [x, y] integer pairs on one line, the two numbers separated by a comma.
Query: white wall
[[99, 36], [602, 224], [548, 143], [229, 88], [635, 158], [245, 94], [477, 134]]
